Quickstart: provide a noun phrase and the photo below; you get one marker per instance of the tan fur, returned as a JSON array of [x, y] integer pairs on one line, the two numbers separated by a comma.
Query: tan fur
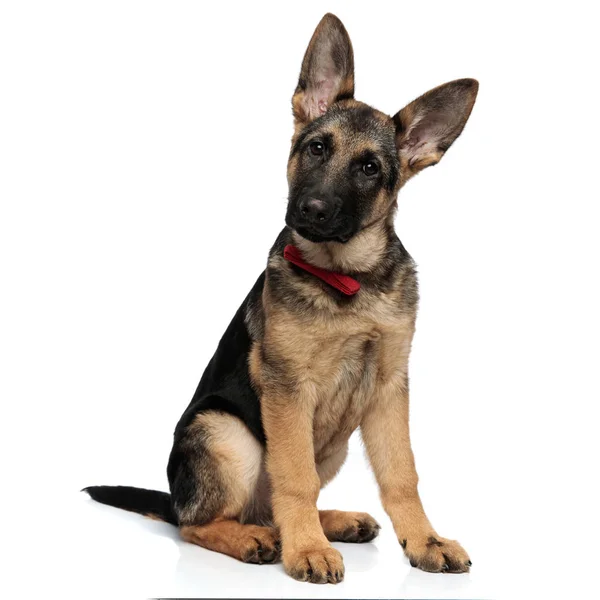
[[153, 517], [344, 526], [291, 464], [385, 433], [249, 543], [336, 390], [336, 359]]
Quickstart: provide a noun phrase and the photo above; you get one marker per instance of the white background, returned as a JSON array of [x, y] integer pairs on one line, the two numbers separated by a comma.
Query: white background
[[143, 148]]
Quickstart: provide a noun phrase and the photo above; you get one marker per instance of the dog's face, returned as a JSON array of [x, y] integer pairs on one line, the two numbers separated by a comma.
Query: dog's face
[[348, 160], [344, 170]]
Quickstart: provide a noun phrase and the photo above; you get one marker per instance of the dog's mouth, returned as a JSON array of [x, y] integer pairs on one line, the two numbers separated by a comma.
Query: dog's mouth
[[320, 237], [342, 229]]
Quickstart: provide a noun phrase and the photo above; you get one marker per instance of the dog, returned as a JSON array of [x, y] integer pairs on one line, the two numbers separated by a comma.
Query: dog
[[319, 347]]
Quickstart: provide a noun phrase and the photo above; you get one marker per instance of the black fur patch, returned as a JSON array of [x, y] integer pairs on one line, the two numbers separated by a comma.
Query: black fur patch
[[139, 500]]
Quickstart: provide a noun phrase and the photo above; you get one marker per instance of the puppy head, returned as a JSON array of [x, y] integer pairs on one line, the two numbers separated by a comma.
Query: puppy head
[[348, 160]]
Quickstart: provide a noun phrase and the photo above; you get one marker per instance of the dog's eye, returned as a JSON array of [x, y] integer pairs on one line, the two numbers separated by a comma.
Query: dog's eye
[[316, 148], [370, 169]]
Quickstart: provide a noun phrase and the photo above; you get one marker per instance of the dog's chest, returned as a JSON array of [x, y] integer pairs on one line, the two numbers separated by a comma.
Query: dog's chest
[[344, 382], [335, 360]]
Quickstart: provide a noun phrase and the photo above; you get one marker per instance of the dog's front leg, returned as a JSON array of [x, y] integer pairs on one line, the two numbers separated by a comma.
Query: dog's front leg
[[385, 433], [307, 554]]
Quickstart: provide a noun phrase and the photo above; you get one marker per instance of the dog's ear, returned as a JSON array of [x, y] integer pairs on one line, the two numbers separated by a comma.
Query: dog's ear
[[327, 73], [428, 126]]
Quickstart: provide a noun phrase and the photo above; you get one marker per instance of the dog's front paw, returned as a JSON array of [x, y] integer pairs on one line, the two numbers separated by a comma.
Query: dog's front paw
[[323, 565], [436, 555]]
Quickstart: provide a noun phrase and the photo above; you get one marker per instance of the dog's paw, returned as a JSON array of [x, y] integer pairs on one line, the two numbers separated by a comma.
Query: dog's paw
[[324, 565], [436, 555], [262, 547], [352, 527]]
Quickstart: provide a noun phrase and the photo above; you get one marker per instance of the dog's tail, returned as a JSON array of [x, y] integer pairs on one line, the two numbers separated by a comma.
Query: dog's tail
[[150, 503]]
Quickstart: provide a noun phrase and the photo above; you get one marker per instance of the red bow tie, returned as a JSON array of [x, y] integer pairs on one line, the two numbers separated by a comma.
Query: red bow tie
[[344, 283]]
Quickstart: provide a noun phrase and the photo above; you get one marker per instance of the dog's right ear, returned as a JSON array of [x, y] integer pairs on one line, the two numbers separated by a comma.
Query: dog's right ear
[[327, 73]]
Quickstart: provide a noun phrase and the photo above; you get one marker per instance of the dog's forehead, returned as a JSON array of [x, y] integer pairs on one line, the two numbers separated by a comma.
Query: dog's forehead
[[359, 126]]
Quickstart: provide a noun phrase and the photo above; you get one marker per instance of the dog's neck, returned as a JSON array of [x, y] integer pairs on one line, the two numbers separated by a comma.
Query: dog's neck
[[361, 254]]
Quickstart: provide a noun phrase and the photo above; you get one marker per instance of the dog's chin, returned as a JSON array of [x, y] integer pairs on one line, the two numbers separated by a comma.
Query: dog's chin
[[320, 238]]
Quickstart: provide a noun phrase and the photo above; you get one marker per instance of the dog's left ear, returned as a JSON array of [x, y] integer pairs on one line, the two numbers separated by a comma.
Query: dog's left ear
[[327, 73], [428, 126]]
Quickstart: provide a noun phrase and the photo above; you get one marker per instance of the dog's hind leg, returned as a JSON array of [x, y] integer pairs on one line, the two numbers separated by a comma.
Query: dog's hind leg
[[342, 526], [216, 471], [248, 543]]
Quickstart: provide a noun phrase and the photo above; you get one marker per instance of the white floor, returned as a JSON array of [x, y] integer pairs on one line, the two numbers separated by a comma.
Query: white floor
[[125, 554]]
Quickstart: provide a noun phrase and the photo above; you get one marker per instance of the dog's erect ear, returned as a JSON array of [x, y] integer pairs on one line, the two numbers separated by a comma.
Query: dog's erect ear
[[327, 73], [428, 126]]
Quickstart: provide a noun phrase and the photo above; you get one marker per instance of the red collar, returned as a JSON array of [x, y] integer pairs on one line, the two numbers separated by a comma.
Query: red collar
[[343, 283]]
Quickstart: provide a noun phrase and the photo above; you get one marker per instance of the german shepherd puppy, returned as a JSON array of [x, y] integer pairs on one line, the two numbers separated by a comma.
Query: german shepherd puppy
[[319, 346]]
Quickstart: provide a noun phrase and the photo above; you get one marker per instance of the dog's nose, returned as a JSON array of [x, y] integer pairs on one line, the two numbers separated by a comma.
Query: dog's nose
[[315, 210]]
